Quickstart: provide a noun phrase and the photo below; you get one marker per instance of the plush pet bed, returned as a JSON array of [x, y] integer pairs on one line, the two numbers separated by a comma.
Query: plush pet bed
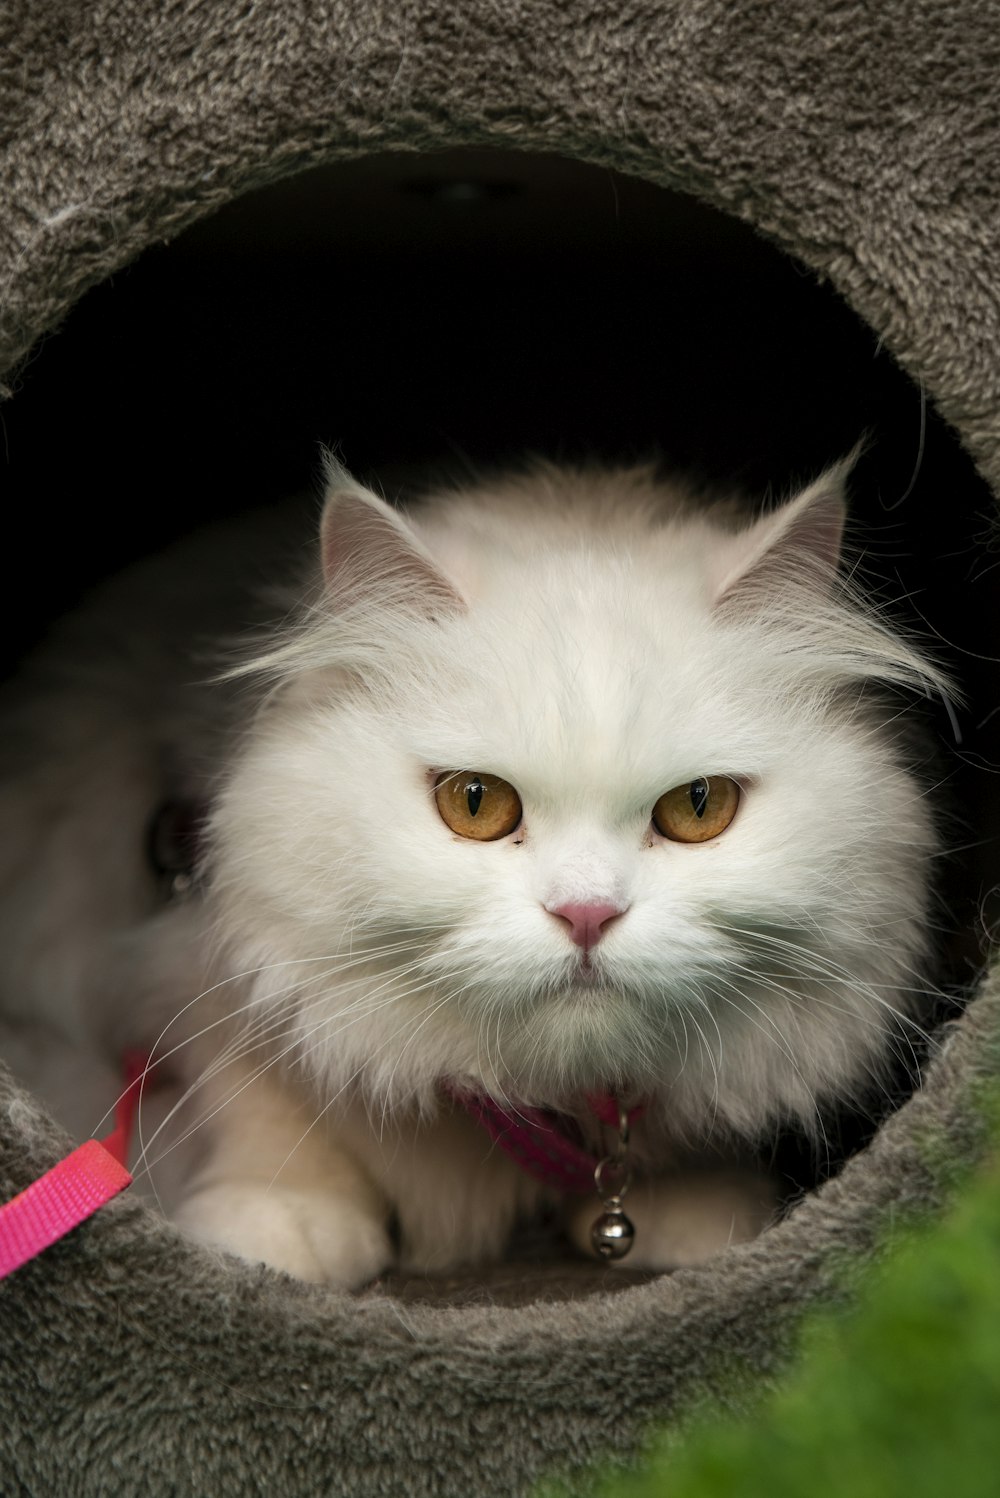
[[863, 143]]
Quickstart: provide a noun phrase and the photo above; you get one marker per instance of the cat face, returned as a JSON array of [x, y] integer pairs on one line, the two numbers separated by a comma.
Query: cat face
[[699, 877]]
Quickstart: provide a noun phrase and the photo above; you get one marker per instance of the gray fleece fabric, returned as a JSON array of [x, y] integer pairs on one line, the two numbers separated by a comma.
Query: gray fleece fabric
[[863, 138]]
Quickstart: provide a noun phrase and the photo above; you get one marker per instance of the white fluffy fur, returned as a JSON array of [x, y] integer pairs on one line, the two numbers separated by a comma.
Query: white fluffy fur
[[595, 638]]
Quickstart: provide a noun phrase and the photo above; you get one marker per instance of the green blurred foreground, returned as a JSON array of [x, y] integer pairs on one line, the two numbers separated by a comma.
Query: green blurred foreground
[[898, 1396]]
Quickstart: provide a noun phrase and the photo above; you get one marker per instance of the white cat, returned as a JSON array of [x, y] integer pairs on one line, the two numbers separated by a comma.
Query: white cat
[[559, 785]]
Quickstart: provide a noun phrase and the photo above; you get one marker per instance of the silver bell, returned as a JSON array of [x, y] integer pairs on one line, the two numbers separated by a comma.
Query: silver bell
[[612, 1234]]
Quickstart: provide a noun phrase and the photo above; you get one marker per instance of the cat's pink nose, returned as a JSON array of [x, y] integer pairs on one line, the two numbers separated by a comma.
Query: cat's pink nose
[[586, 923]]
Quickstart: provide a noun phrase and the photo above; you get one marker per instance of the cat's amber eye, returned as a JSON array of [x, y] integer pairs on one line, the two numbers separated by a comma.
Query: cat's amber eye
[[477, 805], [698, 810]]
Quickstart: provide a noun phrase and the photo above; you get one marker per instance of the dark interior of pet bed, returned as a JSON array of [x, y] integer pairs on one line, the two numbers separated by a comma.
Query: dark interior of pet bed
[[456, 311]]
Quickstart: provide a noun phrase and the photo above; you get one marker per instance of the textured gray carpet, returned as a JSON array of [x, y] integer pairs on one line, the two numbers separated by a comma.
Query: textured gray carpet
[[865, 140]]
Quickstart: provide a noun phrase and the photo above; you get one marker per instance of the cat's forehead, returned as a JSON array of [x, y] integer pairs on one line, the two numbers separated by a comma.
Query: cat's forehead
[[589, 681], [591, 651], [549, 524]]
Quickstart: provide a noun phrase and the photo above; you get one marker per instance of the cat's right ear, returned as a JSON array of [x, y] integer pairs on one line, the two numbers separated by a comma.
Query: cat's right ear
[[369, 552], [800, 541]]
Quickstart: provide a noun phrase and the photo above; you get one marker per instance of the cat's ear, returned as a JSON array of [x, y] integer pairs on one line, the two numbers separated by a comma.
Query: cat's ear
[[801, 541], [369, 552]]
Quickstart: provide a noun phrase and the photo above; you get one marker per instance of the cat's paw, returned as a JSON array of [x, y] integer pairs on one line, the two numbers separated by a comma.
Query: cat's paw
[[312, 1235], [688, 1218]]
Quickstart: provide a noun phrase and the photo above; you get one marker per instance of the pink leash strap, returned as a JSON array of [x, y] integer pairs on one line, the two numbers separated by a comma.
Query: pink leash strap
[[74, 1188]]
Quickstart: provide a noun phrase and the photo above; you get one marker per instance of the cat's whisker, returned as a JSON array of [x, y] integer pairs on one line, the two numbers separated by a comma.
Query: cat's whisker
[[224, 1062], [212, 1111], [483, 1047], [903, 1030], [782, 1041], [144, 1166], [707, 1050], [351, 1079], [770, 1028], [684, 1029], [809, 963], [240, 977], [249, 1031], [264, 1008], [146, 1143], [866, 992], [431, 1011], [328, 1033], [904, 1026], [331, 1102]]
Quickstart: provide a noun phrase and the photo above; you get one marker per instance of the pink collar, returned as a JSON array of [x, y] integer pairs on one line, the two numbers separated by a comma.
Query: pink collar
[[548, 1145]]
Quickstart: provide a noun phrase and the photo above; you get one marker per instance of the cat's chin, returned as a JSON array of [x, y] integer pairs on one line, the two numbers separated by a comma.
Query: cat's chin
[[586, 975], [586, 979]]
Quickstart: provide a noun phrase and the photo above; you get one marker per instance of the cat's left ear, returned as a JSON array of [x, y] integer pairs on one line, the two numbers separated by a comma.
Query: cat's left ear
[[801, 541], [370, 554]]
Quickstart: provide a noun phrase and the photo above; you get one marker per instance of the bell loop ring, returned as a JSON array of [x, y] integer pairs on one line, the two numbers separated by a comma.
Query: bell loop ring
[[612, 1178], [613, 1234]]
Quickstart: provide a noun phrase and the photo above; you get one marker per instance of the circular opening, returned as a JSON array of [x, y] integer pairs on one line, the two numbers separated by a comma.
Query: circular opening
[[458, 311]]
